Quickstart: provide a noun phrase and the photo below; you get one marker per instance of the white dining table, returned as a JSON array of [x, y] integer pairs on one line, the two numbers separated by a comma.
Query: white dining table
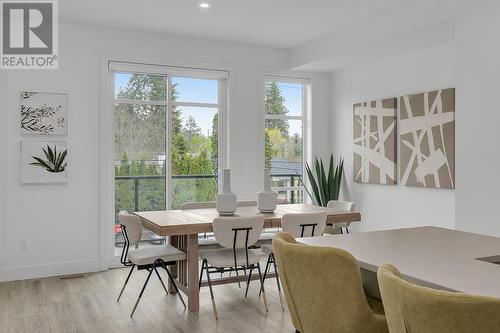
[[429, 256]]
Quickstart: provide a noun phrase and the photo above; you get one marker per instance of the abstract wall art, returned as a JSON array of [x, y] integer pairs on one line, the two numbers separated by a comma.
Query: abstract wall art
[[427, 139], [43, 113], [374, 142]]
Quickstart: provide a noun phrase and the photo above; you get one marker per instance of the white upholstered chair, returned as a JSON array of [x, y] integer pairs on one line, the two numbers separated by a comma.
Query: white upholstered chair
[[148, 258], [298, 225], [341, 206], [235, 235]]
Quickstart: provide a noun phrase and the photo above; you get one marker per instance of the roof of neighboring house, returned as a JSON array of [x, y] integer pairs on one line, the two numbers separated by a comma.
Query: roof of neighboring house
[[281, 166]]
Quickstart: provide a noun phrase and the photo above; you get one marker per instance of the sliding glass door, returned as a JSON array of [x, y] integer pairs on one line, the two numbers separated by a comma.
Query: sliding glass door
[[167, 148]]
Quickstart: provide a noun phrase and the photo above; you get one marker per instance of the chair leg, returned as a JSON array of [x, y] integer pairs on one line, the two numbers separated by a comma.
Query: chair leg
[[341, 230], [142, 292], [173, 283], [277, 281], [248, 281], [214, 306], [161, 281], [347, 230], [262, 288], [268, 263], [125, 284], [238, 275], [201, 274]]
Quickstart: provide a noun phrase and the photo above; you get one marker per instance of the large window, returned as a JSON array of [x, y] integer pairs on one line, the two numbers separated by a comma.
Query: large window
[[166, 141], [285, 102]]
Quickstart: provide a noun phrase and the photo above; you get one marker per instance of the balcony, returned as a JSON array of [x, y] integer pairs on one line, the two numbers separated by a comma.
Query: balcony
[[148, 192]]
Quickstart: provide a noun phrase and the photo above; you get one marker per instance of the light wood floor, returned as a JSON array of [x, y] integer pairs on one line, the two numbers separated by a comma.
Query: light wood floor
[[88, 304]]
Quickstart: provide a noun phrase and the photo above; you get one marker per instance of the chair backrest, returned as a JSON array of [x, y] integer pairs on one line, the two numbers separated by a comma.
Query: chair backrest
[[197, 205], [304, 225], [237, 232], [344, 206], [133, 227], [411, 308], [323, 289]]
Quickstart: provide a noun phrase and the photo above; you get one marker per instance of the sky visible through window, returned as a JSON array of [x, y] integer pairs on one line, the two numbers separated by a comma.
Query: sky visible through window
[[205, 91]]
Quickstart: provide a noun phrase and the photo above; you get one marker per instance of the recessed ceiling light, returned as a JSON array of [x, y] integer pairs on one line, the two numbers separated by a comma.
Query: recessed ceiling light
[[204, 5]]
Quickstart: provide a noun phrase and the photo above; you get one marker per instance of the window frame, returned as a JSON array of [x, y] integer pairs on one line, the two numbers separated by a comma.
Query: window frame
[[306, 88], [169, 72], [108, 62]]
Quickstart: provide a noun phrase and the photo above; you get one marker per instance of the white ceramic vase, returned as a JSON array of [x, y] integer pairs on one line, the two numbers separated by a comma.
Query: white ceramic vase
[[226, 201], [266, 201]]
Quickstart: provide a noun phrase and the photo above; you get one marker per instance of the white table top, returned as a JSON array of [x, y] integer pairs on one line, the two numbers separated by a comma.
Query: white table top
[[429, 256]]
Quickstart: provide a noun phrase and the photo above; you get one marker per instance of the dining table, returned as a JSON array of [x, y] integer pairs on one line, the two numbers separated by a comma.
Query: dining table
[[182, 228]]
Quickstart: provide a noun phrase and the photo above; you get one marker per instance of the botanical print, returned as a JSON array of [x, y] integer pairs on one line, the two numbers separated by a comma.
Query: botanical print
[[43, 162], [52, 161], [43, 113], [427, 139], [374, 142]]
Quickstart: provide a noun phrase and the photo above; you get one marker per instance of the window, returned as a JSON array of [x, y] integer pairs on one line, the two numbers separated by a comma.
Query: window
[[167, 148], [285, 101]]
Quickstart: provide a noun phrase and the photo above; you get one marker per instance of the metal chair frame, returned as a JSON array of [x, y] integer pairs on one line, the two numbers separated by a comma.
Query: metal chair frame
[[210, 269], [150, 268]]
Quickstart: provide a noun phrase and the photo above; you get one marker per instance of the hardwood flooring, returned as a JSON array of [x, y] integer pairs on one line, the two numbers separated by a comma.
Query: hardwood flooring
[[88, 304]]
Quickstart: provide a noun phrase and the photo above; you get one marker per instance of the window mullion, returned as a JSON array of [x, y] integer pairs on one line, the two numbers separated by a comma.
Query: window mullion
[[139, 102], [195, 104], [169, 139]]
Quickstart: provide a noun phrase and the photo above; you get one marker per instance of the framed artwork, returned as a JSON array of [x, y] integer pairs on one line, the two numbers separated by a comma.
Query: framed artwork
[[427, 139], [43, 162], [43, 113], [374, 142]]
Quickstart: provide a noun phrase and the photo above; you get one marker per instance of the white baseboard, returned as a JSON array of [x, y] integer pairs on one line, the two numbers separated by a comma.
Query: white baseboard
[[47, 270]]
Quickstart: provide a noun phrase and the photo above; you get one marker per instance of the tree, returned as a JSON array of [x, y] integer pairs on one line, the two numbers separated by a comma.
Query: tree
[[191, 128], [140, 138], [294, 148], [275, 105], [277, 141], [268, 150]]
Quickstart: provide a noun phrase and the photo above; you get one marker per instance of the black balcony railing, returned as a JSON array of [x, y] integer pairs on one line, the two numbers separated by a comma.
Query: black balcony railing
[[281, 180]]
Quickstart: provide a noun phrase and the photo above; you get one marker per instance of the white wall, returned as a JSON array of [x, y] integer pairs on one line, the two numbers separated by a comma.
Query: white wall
[[471, 64], [478, 137], [387, 206], [61, 222]]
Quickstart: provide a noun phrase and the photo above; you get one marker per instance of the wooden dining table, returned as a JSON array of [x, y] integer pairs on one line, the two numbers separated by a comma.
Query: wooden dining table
[[183, 227]]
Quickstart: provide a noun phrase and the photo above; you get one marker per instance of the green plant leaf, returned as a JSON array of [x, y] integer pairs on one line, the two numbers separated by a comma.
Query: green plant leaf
[[51, 154], [314, 186], [60, 160], [317, 169], [41, 163]]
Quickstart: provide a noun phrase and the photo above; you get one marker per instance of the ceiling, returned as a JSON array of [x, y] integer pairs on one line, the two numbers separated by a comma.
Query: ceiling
[[276, 23]]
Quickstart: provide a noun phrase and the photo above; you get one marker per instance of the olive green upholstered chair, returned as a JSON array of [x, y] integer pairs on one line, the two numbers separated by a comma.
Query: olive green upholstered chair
[[323, 289], [414, 309]]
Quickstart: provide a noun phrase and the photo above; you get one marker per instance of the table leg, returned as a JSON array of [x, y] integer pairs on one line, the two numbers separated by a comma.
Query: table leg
[[192, 271], [174, 241]]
